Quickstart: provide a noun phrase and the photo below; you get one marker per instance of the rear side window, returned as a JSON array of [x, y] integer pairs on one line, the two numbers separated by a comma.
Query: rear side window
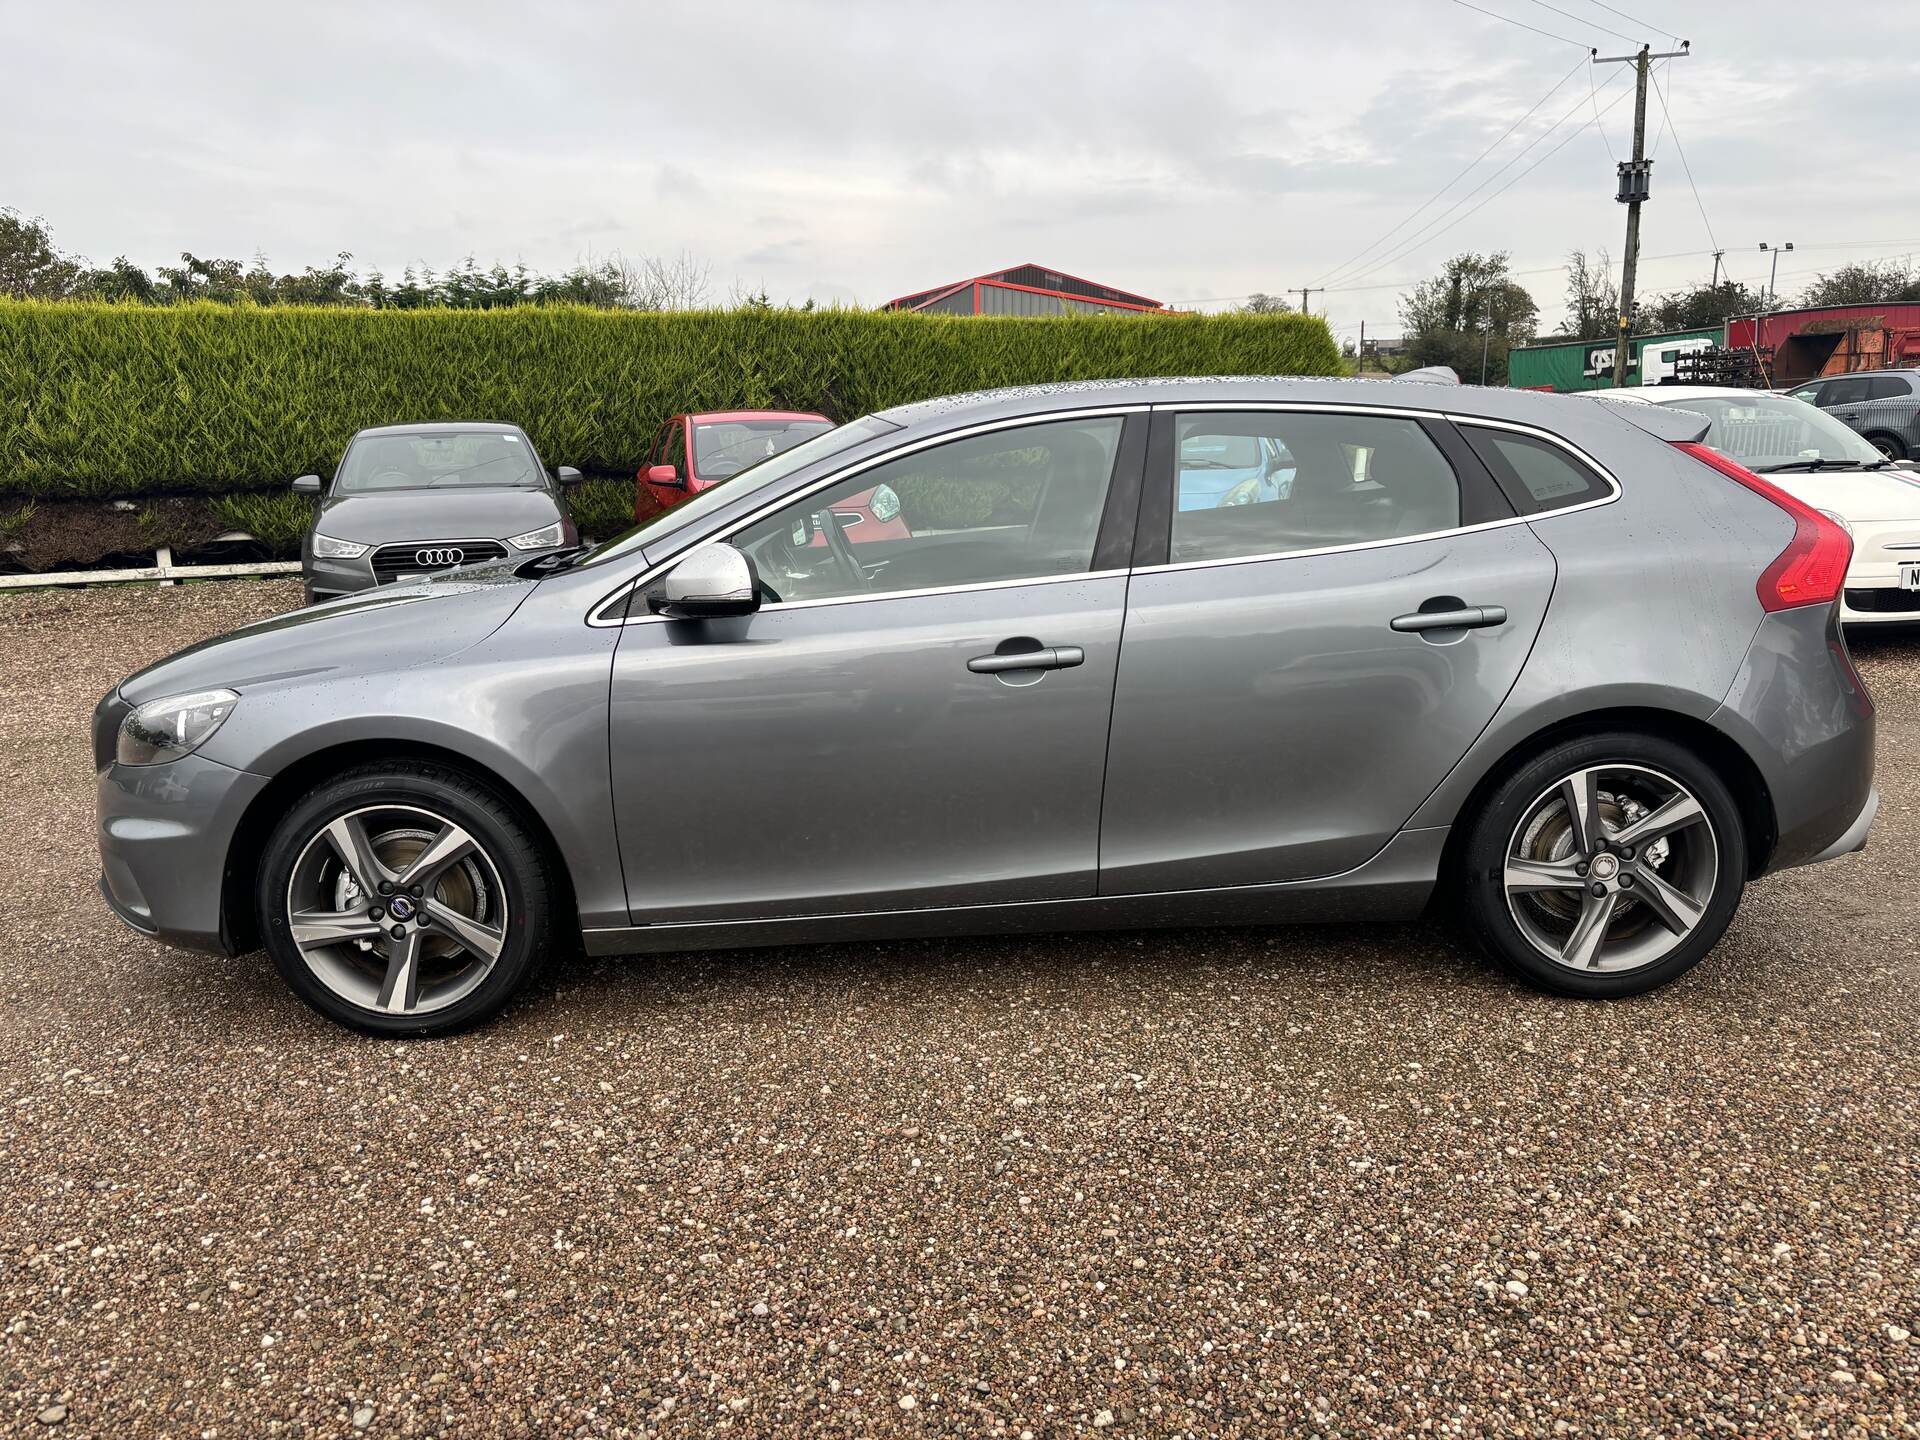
[[1276, 482], [1887, 387], [1536, 474]]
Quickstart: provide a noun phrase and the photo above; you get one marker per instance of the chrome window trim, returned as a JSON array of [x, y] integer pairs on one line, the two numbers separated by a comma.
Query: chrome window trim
[[597, 617], [1401, 412]]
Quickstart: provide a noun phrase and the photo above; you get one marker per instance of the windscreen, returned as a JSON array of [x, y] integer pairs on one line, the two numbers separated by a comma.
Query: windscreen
[[1764, 432], [660, 527], [436, 460], [723, 448]]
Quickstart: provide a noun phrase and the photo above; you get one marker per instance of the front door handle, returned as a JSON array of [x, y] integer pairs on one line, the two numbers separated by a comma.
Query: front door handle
[[1053, 657], [1470, 617]]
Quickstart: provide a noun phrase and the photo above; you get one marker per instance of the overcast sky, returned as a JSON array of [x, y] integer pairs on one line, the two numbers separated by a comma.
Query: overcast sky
[[1194, 152]]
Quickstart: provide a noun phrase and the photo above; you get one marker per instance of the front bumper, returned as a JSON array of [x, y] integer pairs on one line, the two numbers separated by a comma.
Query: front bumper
[[165, 832], [329, 579]]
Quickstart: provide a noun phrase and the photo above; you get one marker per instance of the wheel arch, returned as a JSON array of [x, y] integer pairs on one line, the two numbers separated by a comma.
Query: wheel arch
[[1733, 765], [239, 925], [1901, 444]]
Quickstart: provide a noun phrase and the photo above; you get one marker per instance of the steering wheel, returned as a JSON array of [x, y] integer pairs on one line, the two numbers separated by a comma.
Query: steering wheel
[[842, 551]]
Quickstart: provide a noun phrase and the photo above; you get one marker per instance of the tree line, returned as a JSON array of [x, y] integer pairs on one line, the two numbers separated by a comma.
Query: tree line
[[33, 267]]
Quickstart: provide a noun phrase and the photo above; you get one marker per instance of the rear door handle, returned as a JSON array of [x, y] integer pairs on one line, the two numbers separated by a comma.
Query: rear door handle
[[1053, 657], [1471, 617]]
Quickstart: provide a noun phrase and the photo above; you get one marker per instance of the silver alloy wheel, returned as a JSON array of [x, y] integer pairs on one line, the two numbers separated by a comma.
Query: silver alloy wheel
[[1612, 868], [396, 909], [1885, 447]]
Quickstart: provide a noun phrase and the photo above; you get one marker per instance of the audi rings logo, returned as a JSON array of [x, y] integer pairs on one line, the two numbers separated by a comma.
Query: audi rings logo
[[439, 555]]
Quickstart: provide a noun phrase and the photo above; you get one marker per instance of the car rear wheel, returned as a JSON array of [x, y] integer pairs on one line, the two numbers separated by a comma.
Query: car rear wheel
[[404, 899], [1605, 867], [1888, 445]]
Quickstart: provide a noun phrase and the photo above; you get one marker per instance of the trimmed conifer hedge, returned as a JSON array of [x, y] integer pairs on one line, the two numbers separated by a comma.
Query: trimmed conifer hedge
[[100, 400]]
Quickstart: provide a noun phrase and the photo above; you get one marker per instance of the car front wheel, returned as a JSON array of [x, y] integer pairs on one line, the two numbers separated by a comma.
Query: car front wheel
[[404, 899], [1605, 867]]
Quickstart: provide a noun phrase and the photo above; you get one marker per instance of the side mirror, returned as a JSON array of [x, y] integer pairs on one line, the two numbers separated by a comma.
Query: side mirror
[[568, 477], [307, 485], [665, 475], [714, 582]]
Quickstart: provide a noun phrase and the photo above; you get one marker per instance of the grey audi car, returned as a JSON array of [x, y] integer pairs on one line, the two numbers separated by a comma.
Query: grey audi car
[[1553, 663], [414, 500]]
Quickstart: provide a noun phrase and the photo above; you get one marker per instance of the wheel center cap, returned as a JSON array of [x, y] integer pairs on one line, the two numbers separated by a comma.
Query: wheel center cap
[[1605, 867], [401, 907]]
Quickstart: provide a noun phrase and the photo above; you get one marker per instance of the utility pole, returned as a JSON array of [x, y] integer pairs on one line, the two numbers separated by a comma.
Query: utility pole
[[1360, 354], [1304, 292], [1714, 284], [1634, 177], [1486, 338]]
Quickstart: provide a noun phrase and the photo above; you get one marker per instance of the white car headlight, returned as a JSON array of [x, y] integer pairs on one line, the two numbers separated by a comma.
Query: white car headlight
[[163, 730], [545, 538], [1839, 520], [325, 547]]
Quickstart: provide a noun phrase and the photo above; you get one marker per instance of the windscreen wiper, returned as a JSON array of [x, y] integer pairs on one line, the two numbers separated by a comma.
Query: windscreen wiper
[[1816, 464], [550, 563]]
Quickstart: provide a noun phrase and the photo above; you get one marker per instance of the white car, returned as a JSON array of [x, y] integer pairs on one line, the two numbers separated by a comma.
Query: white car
[[1815, 458]]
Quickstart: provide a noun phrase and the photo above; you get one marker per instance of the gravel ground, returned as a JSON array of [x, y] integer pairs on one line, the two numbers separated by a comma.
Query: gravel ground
[[1320, 1180]]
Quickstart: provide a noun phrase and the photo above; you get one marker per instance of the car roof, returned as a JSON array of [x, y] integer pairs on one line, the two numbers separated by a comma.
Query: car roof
[[442, 427], [1674, 394], [724, 415]]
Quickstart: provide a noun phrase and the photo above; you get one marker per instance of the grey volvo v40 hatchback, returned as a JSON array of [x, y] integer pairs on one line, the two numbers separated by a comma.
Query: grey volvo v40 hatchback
[[1552, 662], [414, 500]]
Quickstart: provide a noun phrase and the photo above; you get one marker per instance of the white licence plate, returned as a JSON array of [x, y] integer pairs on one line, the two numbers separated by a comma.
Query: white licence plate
[[1910, 574]]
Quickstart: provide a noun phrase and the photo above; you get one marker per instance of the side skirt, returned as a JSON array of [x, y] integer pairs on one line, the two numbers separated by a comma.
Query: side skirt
[[1393, 885]]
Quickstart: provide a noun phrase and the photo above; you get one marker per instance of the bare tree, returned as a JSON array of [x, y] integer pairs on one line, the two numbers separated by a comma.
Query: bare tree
[[1593, 300], [1261, 303], [653, 283]]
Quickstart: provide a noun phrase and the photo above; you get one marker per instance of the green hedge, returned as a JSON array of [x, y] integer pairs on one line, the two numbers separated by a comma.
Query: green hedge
[[99, 399]]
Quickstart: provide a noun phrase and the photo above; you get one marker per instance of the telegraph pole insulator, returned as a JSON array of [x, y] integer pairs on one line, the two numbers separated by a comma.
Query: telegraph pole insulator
[[1636, 179]]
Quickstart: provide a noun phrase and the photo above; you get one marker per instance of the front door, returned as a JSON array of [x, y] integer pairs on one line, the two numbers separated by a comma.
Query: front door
[[1302, 670], [911, 722]]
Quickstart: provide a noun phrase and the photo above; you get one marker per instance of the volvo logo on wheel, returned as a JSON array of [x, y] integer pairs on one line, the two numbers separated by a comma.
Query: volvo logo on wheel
[[439, 555]]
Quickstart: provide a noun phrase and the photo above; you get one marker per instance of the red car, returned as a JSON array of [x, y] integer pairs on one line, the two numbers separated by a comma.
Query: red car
[[692, 453]]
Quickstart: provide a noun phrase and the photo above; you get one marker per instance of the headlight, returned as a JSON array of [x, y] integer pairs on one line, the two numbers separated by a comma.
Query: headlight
[[545, 538], [162, 730], [1839, 520], [1247, 492], [325, 547], [885, 504]]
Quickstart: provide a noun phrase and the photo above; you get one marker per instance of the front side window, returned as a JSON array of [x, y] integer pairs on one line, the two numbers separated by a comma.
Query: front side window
[[437, 460], [1271, 483], [1844, 392], [1017, 504]]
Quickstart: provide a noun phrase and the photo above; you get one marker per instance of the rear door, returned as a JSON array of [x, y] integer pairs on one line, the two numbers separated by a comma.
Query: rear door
[[1306, 660]]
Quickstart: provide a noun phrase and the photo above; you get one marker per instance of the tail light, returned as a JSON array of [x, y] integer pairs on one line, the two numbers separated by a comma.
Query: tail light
[[1813, 567]]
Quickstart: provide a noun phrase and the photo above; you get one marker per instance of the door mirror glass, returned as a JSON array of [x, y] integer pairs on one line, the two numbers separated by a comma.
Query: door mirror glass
[[307, 485], [568, 476], [714, 582], [665, 475]]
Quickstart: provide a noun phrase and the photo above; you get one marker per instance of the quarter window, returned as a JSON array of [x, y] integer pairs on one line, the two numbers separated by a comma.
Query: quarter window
[[1270, 483], [1531, 469], [1015, 504]]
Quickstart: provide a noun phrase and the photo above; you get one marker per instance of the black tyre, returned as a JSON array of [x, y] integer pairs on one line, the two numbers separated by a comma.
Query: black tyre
[[404, 899], [1890, 446], [1606, 866]]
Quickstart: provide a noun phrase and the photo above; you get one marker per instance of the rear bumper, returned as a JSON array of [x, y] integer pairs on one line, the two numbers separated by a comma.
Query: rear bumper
[[1801, 713], [1855, 839], [165, 832]]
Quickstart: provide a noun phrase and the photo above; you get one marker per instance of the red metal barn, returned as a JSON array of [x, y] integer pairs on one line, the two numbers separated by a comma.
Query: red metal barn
[[1797, 345], [1026, 290]]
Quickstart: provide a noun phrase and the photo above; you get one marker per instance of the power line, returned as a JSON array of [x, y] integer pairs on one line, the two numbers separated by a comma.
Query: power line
[[1634, 20], [1579, 20], [1429, 232], [1593, 93], [1682, 151], [1409, 219], [1494, 15]]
